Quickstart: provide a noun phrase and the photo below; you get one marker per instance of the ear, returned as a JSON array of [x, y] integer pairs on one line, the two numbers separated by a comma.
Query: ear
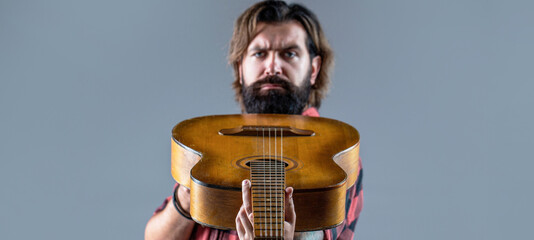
[[316, 67]]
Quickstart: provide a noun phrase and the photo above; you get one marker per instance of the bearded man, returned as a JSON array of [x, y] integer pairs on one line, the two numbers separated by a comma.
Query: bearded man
[[281, 62]]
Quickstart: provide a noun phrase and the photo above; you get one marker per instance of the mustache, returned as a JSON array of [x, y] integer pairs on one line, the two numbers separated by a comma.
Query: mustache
[[272, 80]]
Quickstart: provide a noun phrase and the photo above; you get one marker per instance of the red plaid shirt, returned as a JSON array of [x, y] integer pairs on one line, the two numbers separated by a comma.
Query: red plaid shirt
[[345, 231]]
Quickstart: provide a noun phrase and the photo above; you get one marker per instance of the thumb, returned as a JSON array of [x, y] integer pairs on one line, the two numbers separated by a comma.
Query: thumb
[[290, 206]]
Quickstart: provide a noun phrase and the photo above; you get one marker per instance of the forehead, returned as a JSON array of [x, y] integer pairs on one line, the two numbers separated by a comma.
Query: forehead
[[279, 35]]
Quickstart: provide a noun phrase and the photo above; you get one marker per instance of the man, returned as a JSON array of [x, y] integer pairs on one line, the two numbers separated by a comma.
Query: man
[[281, 62]]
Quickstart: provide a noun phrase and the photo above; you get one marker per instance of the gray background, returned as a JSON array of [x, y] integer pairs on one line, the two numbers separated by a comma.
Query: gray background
[[439, 90]]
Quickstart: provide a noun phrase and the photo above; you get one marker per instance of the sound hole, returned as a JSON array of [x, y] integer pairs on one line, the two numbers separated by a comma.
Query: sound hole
[[271, 162], [244, 163]]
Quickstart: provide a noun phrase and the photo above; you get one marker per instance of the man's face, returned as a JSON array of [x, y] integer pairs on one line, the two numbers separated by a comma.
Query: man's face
[[276, 70]]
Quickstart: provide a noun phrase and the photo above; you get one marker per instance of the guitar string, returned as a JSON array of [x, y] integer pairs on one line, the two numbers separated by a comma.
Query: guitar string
[[255, 180], [263, 178], [281, 209], [276, 178], [270, 189], [275, 173], [283, 186]]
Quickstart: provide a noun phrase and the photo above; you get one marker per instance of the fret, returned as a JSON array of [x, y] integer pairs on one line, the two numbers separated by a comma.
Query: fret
[[264, 211], [267, 169], [266, 175], [279, 185], [263, 223], [267, 195], [269, 238], [268, 209], [268, 190], [266, 182], [265, 205], [267, 178], [274, 217], [277, 176]]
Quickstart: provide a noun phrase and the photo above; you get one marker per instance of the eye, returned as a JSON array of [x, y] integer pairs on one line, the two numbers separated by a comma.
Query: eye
[[290, 54], [258, 54]]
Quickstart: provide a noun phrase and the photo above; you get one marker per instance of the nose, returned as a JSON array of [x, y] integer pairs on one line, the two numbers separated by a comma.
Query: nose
[[273, 65]]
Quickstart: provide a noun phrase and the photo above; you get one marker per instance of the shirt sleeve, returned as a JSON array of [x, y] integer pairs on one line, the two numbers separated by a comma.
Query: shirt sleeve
[[354, 205]]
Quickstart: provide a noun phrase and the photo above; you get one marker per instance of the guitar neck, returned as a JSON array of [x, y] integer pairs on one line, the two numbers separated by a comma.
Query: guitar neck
[[268, 191]]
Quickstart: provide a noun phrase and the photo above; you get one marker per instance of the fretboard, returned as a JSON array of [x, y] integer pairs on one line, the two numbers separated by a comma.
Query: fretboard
[[268, 190]]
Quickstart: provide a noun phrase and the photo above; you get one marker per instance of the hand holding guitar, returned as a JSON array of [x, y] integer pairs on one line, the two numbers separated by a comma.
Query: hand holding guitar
[[245, 219]]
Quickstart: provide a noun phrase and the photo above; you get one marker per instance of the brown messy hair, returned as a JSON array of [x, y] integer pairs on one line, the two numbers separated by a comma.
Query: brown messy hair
[[273, 12]]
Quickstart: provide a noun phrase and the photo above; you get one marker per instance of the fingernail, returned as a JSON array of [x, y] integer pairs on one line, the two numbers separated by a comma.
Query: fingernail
[[245, 182]]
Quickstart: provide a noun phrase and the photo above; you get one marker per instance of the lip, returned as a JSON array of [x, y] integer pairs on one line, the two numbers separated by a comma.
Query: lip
[[268, 86]]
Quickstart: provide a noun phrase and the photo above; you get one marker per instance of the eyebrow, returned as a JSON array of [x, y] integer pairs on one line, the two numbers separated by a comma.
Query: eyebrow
[[290, 47]]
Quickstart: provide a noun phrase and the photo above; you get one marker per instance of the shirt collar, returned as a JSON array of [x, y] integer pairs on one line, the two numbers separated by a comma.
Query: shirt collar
[[311, 112]]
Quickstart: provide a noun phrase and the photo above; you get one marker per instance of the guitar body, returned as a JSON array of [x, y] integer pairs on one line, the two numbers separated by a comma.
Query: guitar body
[[211, 156]]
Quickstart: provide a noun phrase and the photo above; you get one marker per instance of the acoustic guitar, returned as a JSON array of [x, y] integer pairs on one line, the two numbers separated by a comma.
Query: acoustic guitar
[[317, 156]]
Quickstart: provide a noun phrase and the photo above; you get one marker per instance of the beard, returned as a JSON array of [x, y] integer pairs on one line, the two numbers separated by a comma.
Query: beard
[[290, 99]]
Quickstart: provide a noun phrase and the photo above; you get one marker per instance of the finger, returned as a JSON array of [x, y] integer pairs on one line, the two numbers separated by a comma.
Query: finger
[[251, 219], [184, 197], [246, 223], [290, 215], [182, 190], [240, 228], [246, 196]]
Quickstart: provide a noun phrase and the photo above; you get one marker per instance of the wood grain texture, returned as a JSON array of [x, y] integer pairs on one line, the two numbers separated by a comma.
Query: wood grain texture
[[212, 166]]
